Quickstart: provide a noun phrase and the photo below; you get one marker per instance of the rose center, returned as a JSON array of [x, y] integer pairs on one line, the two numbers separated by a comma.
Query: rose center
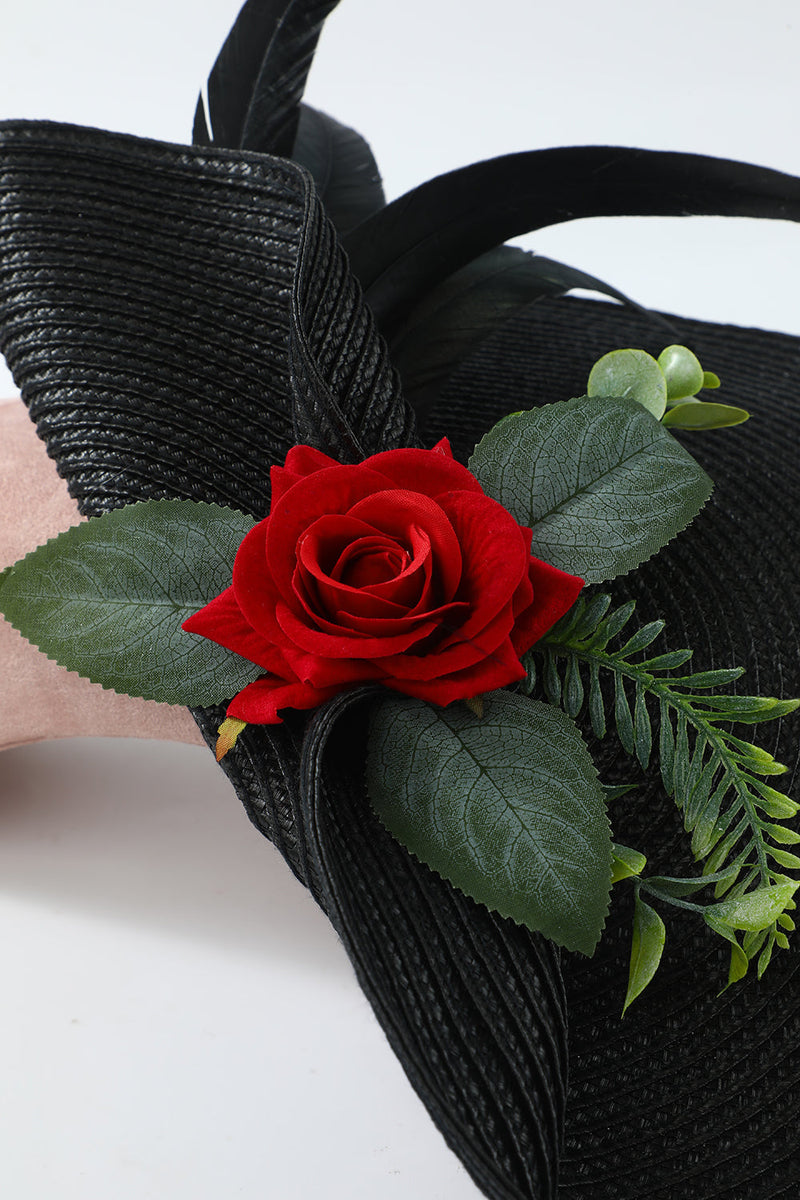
[[363, 564]]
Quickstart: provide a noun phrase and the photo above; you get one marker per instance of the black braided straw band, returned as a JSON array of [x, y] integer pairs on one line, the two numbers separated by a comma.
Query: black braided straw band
[[152, 301]]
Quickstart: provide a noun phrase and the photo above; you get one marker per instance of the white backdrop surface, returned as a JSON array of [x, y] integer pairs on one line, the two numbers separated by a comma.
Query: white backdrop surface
[[178, 1020]]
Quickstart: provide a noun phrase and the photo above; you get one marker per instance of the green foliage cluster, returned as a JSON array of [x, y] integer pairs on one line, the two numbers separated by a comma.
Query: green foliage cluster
[[667, 387], [718, 780]]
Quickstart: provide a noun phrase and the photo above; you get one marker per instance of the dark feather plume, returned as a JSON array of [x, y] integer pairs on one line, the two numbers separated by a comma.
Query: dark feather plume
[[411, 245], [258, 79]]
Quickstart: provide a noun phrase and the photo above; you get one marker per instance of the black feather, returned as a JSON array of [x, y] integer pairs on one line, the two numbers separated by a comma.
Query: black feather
[[342, 165], [258, 79], [404, 250]]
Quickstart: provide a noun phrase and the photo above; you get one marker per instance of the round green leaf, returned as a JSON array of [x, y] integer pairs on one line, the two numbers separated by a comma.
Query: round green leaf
[[506, 806], [702, 414], [682, 371], [107, 598], [602, 484], [710, 380], [630, 375], [647, 946]]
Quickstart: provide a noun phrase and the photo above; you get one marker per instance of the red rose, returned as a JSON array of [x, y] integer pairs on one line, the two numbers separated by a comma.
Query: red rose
[[399, 570]]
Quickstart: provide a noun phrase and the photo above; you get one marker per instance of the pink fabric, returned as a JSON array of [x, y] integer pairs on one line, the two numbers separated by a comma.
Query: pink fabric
[[38, 699]]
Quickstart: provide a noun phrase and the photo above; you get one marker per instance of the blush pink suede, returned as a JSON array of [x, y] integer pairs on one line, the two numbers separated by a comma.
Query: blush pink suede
[[38, 699]]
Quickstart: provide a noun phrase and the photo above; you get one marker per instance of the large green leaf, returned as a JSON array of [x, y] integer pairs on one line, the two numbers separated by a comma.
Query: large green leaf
[[506, 806], [107, 598], [600, 481]]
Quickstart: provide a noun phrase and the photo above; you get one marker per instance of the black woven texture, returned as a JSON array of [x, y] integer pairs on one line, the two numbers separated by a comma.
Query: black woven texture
[[690, 1095], [170, 315]]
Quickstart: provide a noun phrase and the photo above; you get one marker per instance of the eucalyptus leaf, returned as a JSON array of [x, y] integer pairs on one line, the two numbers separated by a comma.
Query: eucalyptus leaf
[[107, 598], [600, 482], [630, 375], [704, 414], [647, 946], [682, 371], [507, 807]]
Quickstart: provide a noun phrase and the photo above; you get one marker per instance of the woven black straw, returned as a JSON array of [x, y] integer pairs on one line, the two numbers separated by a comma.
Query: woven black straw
[[153, 301]]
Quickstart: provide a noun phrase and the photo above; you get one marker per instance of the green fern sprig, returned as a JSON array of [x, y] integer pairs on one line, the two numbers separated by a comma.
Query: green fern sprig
[[716, 778]]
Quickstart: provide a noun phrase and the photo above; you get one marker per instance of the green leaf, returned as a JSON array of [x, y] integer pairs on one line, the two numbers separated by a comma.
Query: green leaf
[[702, 414], [107, 598], [774, 803], [710, 679], [615, 791], [711, 773], [677, 886], [508, 807], [630, 375], [602, 484], [647, 946], [625, 862], [755, 910], [682, 371], [746, 710], [710, 380]]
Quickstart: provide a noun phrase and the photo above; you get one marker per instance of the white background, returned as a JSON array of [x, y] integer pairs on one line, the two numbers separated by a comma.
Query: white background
[[178, 1020]]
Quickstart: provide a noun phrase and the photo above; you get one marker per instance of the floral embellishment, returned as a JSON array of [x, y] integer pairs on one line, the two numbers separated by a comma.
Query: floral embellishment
[[447, 583], [398, 569]]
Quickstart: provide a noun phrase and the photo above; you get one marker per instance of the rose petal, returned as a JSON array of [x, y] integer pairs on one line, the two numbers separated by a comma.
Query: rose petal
[[425, 472], [495, 557], [318, 617], [554, 593], [370, 562], [398, 512], [221, 621], [383, 627], [252, 583], [342, 643], [393, 597], [259, 702], [305, 460], [498, 671], [334, 490], [452, 653]]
